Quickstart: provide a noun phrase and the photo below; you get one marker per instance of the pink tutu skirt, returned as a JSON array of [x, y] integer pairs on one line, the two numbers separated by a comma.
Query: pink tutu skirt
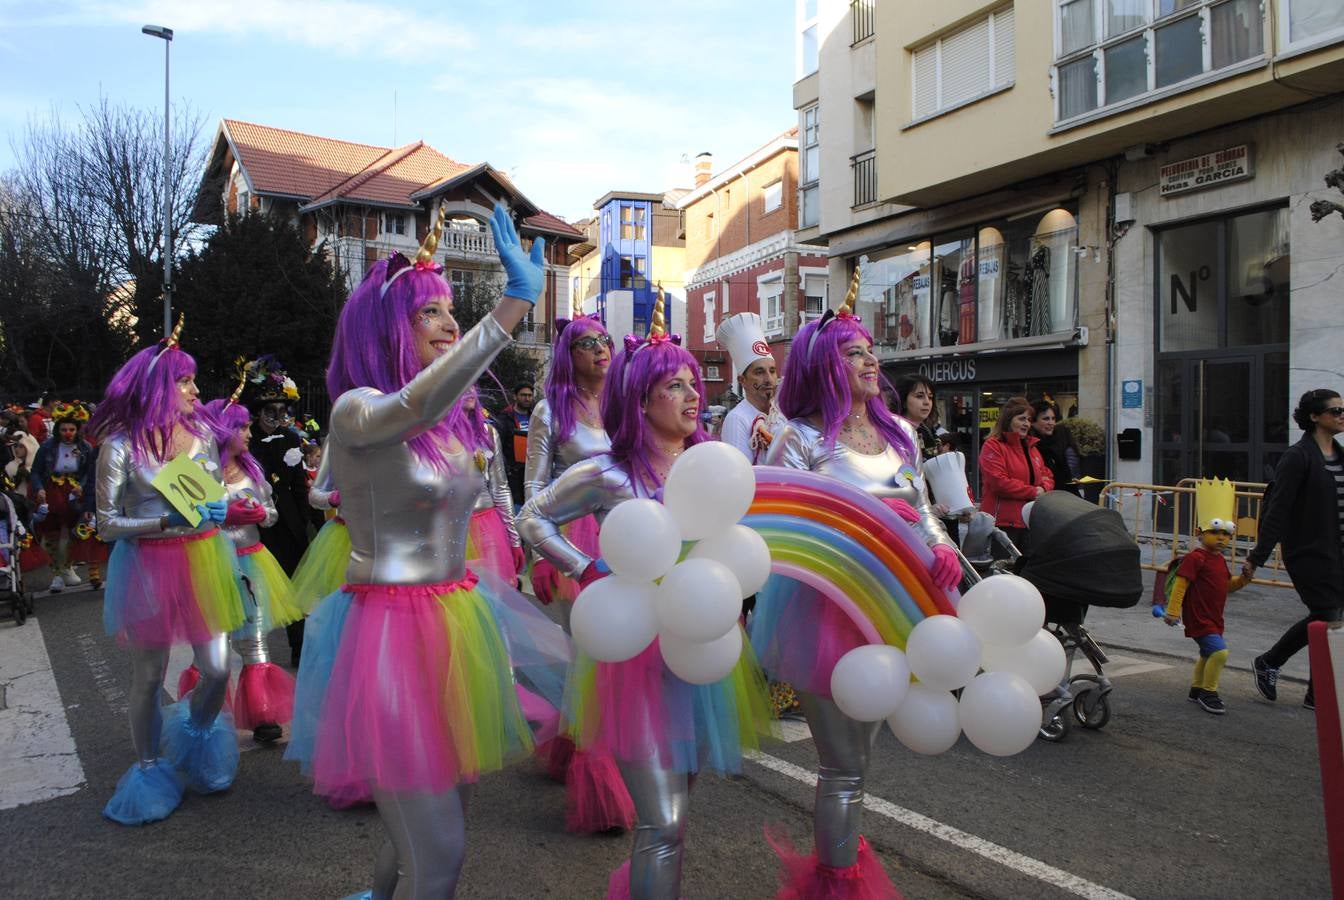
[[488, 546], [799, 635], [420, 695], [582, 533], [173, 590]]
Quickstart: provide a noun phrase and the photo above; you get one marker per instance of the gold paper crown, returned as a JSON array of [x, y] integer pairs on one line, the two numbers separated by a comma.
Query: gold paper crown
[[1215, 504], [658, 325], [847, 308], [425, 255]]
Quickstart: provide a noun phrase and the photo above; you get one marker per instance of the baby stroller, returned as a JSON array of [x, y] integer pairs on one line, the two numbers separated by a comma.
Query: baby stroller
[[1081, 555], [14, 601]]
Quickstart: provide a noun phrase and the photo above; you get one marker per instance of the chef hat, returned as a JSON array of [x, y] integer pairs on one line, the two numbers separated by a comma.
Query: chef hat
[[744, 337]]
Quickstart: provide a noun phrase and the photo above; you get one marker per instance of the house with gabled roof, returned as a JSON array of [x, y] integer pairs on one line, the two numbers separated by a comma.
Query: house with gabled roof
[[361, 202]]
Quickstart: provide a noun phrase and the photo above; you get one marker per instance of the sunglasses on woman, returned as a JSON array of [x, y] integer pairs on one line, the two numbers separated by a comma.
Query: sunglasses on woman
[[591, 342], [1334, 410]]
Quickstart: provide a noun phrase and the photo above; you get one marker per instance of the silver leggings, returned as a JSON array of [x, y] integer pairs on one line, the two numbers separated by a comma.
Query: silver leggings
[[249, 641], [427, 841], [843, 746], [662, 802], [148, 666]]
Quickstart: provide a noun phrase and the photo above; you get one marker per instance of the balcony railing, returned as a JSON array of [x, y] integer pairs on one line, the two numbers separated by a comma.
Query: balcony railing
[[463, 243], [865, 177], [861, 15]]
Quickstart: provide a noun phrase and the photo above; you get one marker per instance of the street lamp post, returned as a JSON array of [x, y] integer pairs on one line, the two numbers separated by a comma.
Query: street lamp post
[[166, 34]]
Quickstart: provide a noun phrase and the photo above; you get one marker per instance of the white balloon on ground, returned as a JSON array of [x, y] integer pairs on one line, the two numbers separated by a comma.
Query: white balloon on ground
[[701, 663], [869, 683], [1040, 661], [741, 549], [613, 619], [709, 488], [1000, 713], [640, 540], [699, 600], [943, 653], [1004, 609], [927, 722]]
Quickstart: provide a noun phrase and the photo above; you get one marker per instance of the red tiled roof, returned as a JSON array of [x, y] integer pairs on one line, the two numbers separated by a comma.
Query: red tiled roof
[[544, 221], [284, 162]]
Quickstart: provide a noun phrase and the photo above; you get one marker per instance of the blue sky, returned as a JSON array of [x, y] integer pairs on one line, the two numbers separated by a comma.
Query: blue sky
[[572, 99]]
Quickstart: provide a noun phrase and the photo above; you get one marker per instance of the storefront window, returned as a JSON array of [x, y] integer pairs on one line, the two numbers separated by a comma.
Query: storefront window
[[1002, 281]]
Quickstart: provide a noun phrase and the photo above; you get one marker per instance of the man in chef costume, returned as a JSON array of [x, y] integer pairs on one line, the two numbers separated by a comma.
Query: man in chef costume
[[751, 425]]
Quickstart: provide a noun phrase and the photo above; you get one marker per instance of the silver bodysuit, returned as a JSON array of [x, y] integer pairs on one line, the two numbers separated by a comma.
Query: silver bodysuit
[[320, 491], [128, 504], [593, 486], [247, 489], [885, 475], [408, 520], [495, 494], [547, 458]]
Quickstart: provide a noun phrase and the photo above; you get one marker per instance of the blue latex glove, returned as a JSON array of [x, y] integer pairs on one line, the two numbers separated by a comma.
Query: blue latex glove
[[602, 566], [526, 273], [215, 511]]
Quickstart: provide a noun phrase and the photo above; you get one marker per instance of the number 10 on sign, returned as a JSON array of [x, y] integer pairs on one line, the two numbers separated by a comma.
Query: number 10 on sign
[[185, 484]]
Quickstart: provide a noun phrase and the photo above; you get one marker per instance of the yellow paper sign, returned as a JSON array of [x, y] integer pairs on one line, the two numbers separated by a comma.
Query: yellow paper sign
[[184, 483]]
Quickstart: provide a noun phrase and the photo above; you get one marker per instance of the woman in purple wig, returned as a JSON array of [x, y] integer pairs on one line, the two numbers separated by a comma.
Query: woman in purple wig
[[567, 429], [660, 729], [492, 539], [840, 427], [168, 581], [405, 690], [265, 696]]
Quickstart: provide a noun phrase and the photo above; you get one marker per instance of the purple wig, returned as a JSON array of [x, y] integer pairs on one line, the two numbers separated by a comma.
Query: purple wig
[[561, 391], [375, 344], [468, 425], [141, 402], [629, 381], [816, 381], [225, 419]]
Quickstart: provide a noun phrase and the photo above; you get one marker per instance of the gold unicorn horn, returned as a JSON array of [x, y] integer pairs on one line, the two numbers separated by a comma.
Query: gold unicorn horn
[[576, 309], [847, 308], [175, 337], [658, 325], [425, 256], [242, 382]]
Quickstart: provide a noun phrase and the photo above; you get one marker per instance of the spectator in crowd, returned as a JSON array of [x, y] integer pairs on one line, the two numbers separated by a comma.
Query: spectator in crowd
[[512, 424], [1012, 471], [1056, 445]]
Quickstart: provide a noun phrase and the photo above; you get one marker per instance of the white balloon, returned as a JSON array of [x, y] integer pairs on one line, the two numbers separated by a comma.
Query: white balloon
[[613, 619], [869, 683], [701, 663], [699, 600], [640, 540], [1000, 713], [1040, 661], [741, 549], [709, 488], [1005, 610], [927, 721], [943, 653]]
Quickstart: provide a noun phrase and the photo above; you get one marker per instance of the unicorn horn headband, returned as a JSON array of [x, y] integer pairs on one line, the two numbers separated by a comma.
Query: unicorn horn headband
[[657, 335], [576, 313], [171, 342], [846, 310], [242, 382], [398, 265]]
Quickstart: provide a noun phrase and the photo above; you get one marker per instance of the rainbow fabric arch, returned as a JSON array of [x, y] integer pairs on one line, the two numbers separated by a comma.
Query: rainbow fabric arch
[[850, 547]]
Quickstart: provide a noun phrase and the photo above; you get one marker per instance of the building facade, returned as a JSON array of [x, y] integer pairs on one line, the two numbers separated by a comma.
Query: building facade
[[1105, 203], [742, 255]]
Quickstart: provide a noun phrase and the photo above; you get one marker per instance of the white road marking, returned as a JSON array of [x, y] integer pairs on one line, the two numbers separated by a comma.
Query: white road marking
[[37, 750], [791, 730], [1011, 859], [1120, 666]]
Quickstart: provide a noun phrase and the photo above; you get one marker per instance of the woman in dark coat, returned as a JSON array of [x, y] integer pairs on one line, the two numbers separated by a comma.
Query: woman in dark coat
[[1057, 446]]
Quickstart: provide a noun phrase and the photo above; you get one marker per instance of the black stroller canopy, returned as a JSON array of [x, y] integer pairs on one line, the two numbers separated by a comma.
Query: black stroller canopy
[[1082, 553]]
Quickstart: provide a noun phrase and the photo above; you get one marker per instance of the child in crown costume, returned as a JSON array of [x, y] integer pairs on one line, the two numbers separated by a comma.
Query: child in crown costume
[[265, 697], [168, 581], [660, 729], [406, 691], [566, 429], [839, 427]]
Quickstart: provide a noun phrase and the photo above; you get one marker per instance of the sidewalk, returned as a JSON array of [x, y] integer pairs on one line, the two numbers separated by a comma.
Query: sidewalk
[[1254, 619]]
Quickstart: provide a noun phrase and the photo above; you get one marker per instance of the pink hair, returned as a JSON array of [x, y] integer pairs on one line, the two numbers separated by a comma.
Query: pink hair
[[629, 381], [816, 381], [375, 344], [469, 425], [141, 402], [225, 419], [561, 391]]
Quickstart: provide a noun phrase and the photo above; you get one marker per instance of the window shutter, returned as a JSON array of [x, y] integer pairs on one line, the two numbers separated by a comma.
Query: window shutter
[[965, 64], [1004, 63], [926, 81]]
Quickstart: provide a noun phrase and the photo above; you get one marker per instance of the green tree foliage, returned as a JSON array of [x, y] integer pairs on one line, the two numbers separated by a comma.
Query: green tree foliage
[[257, 287]]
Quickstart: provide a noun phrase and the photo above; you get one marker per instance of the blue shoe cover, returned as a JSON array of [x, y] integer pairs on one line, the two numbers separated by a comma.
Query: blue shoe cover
[[362, 895], [207, 757], [145, 794]]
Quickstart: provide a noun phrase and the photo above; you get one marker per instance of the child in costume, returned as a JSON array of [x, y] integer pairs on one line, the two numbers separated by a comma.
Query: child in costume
[[492, 538], [1201, 585], [566, 429], [265, 696], [59, 475], [405, 691], [660, 729], [168, 581], [838, 426]]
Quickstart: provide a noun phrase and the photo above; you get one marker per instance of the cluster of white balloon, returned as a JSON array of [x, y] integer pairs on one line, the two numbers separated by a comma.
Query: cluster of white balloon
[[997, 629], [691, 606]]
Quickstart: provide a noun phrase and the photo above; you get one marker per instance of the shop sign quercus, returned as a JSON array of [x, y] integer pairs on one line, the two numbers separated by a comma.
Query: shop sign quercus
[[1207, 170]]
